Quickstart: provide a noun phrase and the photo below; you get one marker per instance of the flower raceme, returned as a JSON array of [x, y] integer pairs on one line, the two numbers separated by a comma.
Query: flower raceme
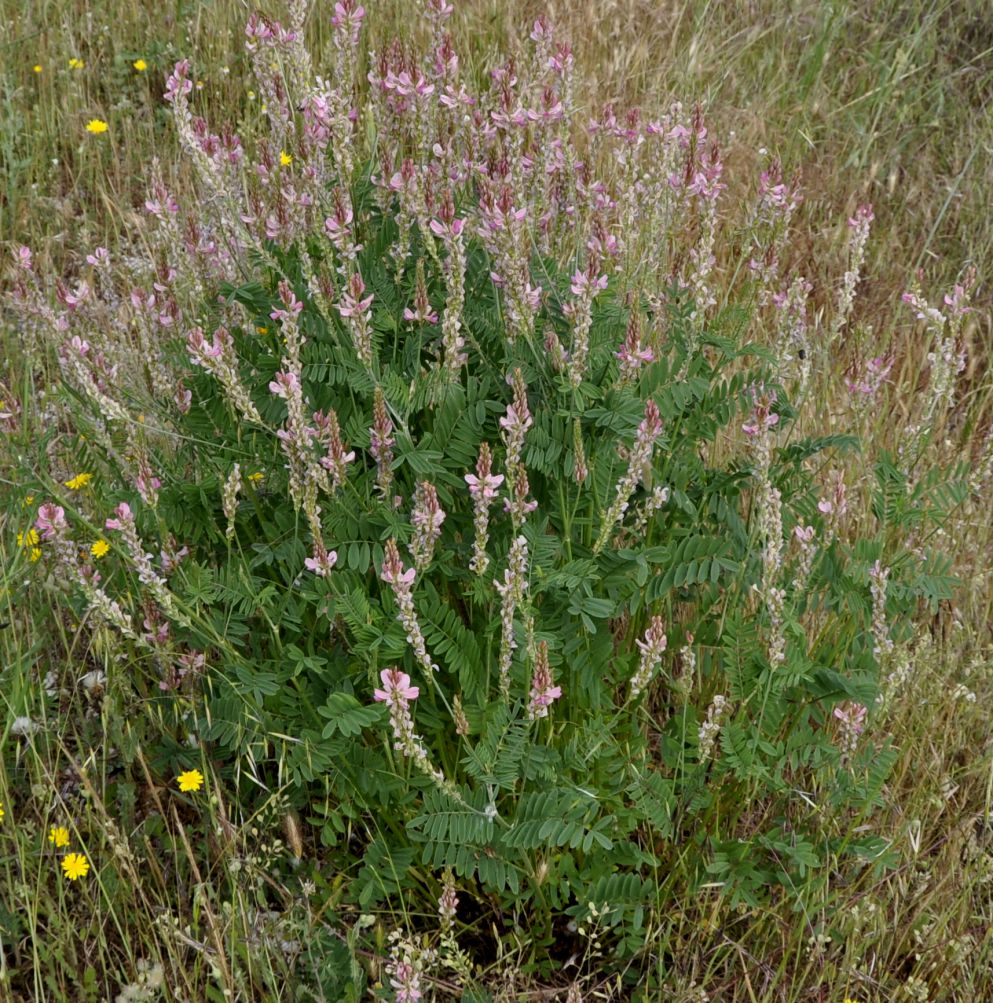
[[398, 694], [543, 691], [483, 490]]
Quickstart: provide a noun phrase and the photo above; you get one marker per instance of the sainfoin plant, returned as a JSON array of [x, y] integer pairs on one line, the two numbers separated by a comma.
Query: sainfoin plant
[[452, 491]]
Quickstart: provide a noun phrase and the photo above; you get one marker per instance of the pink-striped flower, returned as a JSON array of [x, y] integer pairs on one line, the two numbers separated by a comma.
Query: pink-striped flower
[[322, 562], [393, 572], [291, 308], [851, 718], [51, 520], [284, 385], [447, 231], [396, 688], [347, 19], [124, 516], [178, 85], [484, 488]]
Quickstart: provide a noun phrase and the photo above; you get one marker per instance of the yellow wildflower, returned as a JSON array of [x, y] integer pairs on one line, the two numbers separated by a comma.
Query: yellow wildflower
[[2, 812], [96, 126], [140, 65], [100, 549], [190, 780], [28, 500], [256, 477], [59, 835], [76, 64], [29, 541], [36, 67], [75, 866], [79, 481], [285, 159]]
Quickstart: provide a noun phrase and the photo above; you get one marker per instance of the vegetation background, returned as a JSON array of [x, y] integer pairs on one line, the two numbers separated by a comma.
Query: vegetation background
[[888, 102]]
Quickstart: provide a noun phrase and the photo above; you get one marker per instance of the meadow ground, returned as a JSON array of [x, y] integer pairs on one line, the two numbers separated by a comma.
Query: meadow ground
[[886, 102]]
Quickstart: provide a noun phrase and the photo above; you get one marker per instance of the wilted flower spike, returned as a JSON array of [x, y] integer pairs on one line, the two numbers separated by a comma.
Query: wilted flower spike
[[447, 902], [652, 649], [218, 358], [427, 518], [512, 591], [381, 443], [882, 643], [858, 239], [229, 498], [711, 727], [639, 460], [123, 522]]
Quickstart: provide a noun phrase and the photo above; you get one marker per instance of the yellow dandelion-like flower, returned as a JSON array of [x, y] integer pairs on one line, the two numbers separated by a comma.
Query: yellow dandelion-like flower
[[100, 548], [285, 159], [256, 477], [140, 65], [75, 866], [28, 539], [59, 836], [96, 126], [36, 67], [76, 64], [190, 780], [80, 480]]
